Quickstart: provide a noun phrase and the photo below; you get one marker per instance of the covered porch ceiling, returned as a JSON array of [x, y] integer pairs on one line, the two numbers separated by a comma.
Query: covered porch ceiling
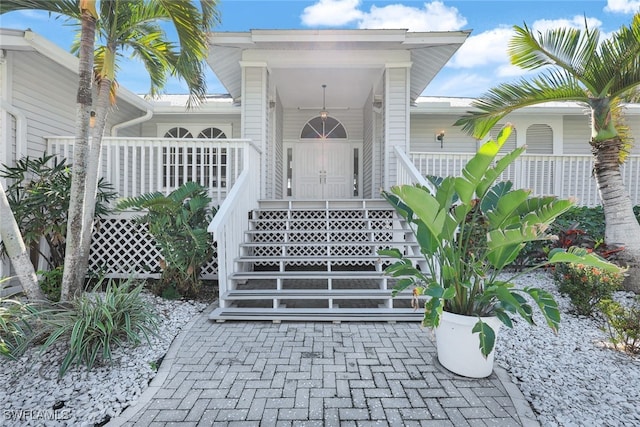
[[349, 62]]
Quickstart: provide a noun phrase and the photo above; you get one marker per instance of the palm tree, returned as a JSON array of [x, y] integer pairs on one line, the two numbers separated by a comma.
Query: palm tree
[[580, 66], [17, 251], [126, 27]]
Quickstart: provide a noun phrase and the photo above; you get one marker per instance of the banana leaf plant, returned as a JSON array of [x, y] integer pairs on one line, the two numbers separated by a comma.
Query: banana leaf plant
[[178, 223], [469, 229]]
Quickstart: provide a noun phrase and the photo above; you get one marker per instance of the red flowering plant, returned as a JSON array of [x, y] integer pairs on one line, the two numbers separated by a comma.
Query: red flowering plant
[[586, 285]]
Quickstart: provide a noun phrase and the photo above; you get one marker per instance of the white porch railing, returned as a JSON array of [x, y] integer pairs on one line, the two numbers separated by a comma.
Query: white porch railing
[[561, 175], [136, 166], [232, 219], [407, 173]]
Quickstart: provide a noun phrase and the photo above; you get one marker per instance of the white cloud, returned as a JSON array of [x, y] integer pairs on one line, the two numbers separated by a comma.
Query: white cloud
[[575, 22], [489, 47], [622, 6], [433, 16], [331, 13]]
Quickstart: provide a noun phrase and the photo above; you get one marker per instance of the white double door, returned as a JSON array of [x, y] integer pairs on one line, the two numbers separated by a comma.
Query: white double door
[[325, 169]]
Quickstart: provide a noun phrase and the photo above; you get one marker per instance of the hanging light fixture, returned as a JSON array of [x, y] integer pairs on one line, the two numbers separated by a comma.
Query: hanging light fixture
[[324, 113]]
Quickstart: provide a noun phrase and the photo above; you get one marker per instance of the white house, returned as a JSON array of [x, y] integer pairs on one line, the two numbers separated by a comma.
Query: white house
[[314, 124]]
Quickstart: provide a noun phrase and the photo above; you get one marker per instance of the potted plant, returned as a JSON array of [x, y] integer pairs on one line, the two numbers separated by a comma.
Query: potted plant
[[469, 229]]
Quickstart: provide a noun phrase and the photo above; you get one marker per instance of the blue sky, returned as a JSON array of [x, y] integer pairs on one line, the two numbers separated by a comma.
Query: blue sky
[[480, 63]]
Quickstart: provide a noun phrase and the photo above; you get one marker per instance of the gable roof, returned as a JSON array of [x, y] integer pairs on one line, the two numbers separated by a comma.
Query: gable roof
[[311, 56]]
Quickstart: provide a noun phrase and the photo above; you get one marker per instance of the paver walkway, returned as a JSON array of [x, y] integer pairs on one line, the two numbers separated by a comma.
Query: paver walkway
[[317, 374]]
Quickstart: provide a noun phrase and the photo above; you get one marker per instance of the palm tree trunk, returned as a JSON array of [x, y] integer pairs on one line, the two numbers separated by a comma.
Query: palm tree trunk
[[93, 166], [17, 251], [73, 276], [621, 227]]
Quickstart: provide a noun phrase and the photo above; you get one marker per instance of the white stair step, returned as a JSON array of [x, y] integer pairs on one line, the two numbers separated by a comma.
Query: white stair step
[[318, 314], [302, 275], [257, 294]]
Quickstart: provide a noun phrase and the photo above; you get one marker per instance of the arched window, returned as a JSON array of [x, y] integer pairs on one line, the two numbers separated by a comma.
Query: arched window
[[212, 133], [317, 128], [178, 132], [204, 164]]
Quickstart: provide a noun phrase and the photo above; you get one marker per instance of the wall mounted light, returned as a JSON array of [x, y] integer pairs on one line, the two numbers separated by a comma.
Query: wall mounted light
[[440, 137], [92, 119]]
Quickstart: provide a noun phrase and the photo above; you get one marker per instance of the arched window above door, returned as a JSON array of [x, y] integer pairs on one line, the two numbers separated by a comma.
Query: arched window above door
[[212, 133], [317, 128], [178, 132]]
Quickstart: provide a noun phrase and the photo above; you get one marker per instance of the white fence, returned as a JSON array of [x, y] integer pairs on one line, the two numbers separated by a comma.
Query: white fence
[[134, 166], [561, 175]]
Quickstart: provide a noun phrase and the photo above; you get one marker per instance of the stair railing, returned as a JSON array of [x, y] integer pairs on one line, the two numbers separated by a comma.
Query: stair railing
[[232, 219], [407, 173]]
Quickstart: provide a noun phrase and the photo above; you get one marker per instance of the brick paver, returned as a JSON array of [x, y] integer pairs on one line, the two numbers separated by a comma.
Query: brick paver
[[315, 373]]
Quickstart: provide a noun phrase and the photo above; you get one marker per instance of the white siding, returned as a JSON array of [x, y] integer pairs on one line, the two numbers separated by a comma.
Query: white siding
[[424, 128], [46, 93], [577, 135], [254, 107], [396, 118]]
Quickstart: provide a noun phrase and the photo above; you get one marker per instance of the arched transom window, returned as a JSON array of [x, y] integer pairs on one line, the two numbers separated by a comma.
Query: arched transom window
[[178, 132], [203, 163], [212, 133], [317, 128]]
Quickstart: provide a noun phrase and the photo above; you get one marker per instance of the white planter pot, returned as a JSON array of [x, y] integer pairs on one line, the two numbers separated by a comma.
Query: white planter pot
[[458, 347]]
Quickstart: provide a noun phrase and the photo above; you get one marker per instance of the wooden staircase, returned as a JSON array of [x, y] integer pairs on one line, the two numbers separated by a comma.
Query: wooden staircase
[[317, 260]]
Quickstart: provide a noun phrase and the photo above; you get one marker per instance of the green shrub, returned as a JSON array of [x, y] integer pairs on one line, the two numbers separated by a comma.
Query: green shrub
[[178, 223], [622, 324], [586, 286], [51, 283], [15, 327], [579, 226], [39, 194], [99, 321], [589, 220]]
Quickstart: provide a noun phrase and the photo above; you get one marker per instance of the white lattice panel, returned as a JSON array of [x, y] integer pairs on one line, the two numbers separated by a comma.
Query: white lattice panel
[[321, 232], [121, 248]]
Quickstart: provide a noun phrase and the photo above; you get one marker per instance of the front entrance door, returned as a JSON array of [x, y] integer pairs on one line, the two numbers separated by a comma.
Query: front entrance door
[[324, 169]]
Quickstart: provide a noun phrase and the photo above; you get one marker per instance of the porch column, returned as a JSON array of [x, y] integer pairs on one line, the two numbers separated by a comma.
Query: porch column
[[396, 117], [254, 112]]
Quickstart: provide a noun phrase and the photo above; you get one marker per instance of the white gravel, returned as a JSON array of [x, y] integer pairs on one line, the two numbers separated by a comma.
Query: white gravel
[[570, 379], [573, 378], [32, 395]]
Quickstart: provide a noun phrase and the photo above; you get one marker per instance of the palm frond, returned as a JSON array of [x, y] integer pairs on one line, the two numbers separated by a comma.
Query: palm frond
[[619, 60], [568, 48], [554, 85], [68, 8]]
